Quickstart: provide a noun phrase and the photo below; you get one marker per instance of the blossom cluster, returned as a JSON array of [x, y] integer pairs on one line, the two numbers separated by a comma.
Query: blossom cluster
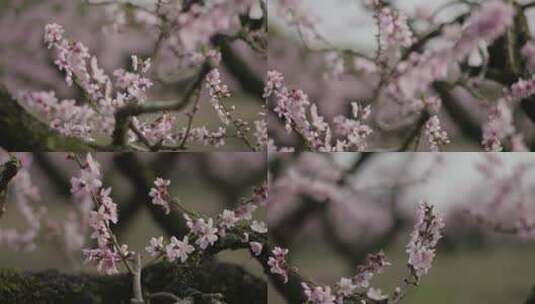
[[105, 96], [424, 238], [294, 108], [102, 214], [393, 27], [278, 264], [436, 136], [505, 208], [418, 60], [85, 119], [205, 232]]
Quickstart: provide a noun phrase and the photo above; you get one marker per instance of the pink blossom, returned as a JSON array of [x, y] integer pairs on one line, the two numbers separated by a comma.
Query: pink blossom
[[424, 238], [160, 194], [53, 34], [528, 51], [204, 230], [376, 294], [375, 263], [274, 83], [218, 91], [522, 89], [346, 287], [106, 259], [228, 219], [203, 135], [318, 294], [155, 246], [259, 227], [89, 179], [179, 249], [278, 264], [256, 248], [107, 209], [394, 28], [436, 136], [498, 127], [261, 132], [135, 84]]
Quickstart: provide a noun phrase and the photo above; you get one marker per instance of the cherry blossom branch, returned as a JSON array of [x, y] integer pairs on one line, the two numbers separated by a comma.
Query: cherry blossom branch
[[123, 115], [421, 250]]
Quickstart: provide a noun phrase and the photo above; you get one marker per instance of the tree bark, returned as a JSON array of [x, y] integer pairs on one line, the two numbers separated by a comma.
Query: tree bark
[[195, 282], [20, 131]]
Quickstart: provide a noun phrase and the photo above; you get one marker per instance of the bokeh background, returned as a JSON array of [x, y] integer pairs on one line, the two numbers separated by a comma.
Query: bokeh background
[[348, 25], [112, 35], [204, 182], [376, 210]]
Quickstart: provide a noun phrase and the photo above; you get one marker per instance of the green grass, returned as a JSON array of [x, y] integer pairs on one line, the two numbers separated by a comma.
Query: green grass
[[491, 275]]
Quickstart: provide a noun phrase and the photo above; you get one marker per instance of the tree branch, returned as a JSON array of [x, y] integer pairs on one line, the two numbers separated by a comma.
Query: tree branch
[[21, 131]]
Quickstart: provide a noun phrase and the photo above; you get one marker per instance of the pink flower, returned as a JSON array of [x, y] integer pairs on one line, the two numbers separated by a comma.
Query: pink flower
[[424, 238], [376, 294], [346, 287], [108, 262], [421, 259], [228, 219], [274, 82], [245, 211], [278, 264], [528, 51], [318, 294], [375, 263], [53, 34], [107, 209], [218, 91], [89, 179], [259, 227], [522, 89], [436, 136], [100, 229], [256, 248], [498, 127], [394, 28], [105, 258], [160, 194], [204, 230], [207, 234], [179, 249], [155, 246]]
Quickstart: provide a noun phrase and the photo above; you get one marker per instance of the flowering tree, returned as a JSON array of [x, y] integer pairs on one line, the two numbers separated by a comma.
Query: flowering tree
[[460, 71], [331, 210], [119, 111], [314, 187], [180, 267]]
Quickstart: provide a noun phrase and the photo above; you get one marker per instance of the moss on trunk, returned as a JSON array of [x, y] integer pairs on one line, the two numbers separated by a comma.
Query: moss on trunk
[[232, 281], [20, 131]]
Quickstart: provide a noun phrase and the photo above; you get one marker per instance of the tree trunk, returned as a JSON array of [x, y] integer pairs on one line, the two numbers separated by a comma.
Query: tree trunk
[[194, 282]]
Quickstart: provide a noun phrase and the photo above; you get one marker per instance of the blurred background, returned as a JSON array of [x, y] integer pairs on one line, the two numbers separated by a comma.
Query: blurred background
[[325, 69], [331, 210], [113, 33], [204, 182]]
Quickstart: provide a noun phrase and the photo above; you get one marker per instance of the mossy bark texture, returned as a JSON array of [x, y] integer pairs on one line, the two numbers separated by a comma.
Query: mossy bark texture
[[20, 131], [194, 284]]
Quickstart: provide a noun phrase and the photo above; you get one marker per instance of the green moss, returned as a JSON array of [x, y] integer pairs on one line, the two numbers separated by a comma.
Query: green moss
[[235, 285], [20, 131]]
